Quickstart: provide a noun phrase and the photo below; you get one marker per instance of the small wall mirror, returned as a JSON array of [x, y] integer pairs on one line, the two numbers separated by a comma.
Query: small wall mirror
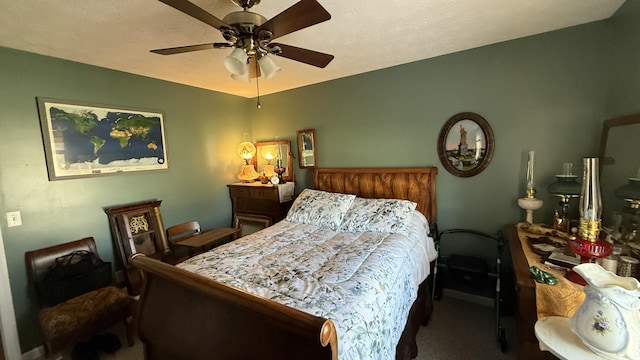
[[465, 144], [268, 153], [307, 155]]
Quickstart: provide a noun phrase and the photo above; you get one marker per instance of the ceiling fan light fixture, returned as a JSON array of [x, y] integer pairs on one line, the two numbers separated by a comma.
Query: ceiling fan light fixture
[[268, 67], [236, 63], [242, 78]]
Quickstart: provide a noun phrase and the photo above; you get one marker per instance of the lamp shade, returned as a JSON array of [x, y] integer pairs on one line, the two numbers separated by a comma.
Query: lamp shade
[[565, 186], [268, 67], [629, 192], [268, 153], [242, 78], [246, 150], [236, 62]]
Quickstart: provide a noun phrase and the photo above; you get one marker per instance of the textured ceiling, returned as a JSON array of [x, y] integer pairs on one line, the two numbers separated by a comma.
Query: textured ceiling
[[363, 35]]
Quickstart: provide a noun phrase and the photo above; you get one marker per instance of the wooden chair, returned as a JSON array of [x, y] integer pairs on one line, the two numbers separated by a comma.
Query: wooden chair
[[138, 228], [179, 232], [77, 319]]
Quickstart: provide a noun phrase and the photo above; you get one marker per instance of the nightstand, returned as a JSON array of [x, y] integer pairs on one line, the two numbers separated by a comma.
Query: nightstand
[[256, 205]]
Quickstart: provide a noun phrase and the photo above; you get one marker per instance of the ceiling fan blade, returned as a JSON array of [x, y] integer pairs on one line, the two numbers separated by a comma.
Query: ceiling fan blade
[[299, 16], [184, 49], [194, 11], [306, 56]]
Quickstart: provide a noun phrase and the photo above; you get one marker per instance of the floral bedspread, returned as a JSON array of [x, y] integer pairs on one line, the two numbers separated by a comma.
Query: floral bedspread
[[364, 282]]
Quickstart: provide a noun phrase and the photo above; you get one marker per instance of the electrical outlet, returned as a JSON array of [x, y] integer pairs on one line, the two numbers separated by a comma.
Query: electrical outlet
[[14, 219]]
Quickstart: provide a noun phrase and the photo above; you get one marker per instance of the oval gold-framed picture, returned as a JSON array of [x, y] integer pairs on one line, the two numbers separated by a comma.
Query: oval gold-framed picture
[[466, 144]]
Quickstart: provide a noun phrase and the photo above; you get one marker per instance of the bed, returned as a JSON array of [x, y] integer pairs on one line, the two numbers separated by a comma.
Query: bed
[[288, 292]]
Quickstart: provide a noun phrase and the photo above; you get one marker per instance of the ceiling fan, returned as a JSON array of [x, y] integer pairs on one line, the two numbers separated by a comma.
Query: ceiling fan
[[250, 34]]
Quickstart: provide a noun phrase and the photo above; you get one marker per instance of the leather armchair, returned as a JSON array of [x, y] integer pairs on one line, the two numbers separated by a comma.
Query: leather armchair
[[79, 318]]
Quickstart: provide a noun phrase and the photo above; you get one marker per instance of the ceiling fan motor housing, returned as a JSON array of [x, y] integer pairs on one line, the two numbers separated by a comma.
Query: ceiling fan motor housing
[[243, 24], [244, 19], [246, 4]]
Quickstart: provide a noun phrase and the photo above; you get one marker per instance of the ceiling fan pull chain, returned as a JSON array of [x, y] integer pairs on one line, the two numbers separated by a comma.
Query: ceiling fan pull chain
[[257, 86]]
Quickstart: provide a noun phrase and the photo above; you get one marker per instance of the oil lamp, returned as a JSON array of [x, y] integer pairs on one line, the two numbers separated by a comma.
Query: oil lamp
[[529, 202], [588, 244], [246, 150], [630, 193], [279, 169], [565, 187]]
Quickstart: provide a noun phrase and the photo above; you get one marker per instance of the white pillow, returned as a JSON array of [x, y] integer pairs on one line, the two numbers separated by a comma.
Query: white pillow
[[379, 215], [321, 208]]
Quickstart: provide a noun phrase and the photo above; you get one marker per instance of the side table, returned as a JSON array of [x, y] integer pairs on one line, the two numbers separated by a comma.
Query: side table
[[206, 239], [256, 205], [526, 308]]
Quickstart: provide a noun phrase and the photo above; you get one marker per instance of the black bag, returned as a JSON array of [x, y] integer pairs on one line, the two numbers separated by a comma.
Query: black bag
[[74, 274]]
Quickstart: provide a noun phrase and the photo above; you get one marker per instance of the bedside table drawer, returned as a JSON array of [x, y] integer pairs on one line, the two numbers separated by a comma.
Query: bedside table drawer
[[255, 205], [255, 193]]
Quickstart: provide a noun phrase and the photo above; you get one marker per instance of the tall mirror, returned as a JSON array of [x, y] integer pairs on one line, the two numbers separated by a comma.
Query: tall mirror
[[620, 164], [267, 155], [307, 154]]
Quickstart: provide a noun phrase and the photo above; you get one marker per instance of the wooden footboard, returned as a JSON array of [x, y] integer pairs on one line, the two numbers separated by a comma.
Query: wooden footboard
[[183, 315]]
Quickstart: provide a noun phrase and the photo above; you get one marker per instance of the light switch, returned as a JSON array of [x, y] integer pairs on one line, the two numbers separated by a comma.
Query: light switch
[[14, 219]]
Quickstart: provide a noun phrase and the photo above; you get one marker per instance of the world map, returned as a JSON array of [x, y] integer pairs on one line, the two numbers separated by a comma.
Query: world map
[[92, 140]]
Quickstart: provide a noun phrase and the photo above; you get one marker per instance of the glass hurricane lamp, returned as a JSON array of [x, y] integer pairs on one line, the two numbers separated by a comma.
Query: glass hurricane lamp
[[268, 168], [529, 203], [565, 187], [588, 244], [246, 150]]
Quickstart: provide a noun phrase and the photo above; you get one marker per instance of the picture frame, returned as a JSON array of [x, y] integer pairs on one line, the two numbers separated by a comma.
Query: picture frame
[[88, 140], [307, 154], [456, 154], [265, 148], [248, 224]]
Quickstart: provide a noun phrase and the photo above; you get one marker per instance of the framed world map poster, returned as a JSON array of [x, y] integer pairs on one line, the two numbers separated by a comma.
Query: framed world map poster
[[85, 140]]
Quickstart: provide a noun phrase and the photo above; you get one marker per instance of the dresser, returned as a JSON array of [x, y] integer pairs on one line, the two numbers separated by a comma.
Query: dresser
[[534, 301], [256, 205]]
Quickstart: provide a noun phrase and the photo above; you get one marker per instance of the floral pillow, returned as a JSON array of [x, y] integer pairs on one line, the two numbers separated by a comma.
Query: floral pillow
[[321, 208], [379, 215]]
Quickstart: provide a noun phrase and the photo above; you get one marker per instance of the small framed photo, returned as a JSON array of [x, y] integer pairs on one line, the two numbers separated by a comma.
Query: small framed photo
[[88, 140], [465, 144], [307, 155]]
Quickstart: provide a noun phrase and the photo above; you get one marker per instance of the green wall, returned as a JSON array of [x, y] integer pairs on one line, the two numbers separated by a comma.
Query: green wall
[[544, 93], [202, 129], [623, 95], [547, 93]]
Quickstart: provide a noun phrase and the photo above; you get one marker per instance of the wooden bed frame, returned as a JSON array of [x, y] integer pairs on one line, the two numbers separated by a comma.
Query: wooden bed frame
[[182, 315]]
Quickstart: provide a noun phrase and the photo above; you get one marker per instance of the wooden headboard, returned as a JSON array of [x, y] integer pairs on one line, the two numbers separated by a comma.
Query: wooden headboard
[[414, 184]]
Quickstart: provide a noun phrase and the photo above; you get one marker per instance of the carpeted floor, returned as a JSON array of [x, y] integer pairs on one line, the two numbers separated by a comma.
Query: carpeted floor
[[461, 330], [458, 330]]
